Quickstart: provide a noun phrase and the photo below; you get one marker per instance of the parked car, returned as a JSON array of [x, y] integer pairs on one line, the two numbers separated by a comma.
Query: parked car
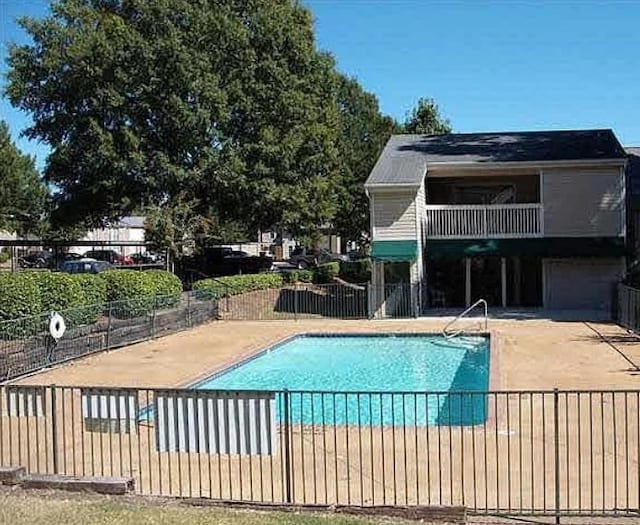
[[147, 258], [70, 256], [39, 259], [303, 258], [110, 256], [64, 257], [84, 265], [222, 260]]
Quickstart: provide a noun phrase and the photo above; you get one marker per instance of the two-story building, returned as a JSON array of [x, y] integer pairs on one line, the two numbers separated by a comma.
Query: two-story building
[[521, 219]]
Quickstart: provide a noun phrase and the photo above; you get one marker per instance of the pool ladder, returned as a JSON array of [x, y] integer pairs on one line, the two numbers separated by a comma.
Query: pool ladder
[[479, 302]]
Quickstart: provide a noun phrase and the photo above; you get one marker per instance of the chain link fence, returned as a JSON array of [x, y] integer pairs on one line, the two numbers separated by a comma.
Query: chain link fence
[[27, 346]]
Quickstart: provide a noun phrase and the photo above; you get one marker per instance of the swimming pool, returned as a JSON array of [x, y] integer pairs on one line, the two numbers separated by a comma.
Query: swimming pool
[[370, 379]]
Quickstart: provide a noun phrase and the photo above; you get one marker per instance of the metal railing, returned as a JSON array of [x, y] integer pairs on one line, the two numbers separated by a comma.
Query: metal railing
[[485, 324], [628, 307], [26, 345], [495, 221], [398, 300], [296, 301], [511, 453]]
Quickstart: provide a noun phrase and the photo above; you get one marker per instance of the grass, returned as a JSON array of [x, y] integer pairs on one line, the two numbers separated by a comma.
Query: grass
[[30, 508]]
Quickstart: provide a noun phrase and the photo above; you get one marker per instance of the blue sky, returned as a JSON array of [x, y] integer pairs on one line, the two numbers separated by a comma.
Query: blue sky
[[489, 65]]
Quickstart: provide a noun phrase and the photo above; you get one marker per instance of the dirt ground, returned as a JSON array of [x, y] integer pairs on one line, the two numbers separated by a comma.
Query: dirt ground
[[19, 507], [526, 354]]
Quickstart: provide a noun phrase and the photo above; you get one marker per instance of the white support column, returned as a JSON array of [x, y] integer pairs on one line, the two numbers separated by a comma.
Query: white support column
[[414, 276], [503, 280], [467, 281], [376, 293]]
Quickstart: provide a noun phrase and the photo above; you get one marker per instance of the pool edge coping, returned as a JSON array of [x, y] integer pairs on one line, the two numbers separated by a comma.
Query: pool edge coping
[[495, 380]]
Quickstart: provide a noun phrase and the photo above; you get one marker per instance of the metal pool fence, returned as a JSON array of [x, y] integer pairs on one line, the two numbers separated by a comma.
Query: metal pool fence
[[26, 345], [512, 453], [628, 307], [311, 301]]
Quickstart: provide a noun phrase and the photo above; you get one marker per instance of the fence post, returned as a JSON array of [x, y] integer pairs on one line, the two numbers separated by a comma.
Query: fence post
[[110, 314], [153, 316], [556, 440], [287, 449], [189, 309], [295, 301], [54, 430]]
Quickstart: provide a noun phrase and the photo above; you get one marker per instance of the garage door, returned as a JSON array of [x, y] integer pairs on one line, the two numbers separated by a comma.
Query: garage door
[[581, 284]]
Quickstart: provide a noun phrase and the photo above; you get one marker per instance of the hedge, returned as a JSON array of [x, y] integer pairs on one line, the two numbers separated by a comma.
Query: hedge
[[166, 286], [94, 289], [132, 294], [236, 284], [325, 273], [4, 257], [19, 296], [298, 276], [356, 271], [58, 291], [81, 298]]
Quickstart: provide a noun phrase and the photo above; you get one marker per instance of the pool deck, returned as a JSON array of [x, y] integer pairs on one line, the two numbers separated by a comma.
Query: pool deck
[[530, 353]]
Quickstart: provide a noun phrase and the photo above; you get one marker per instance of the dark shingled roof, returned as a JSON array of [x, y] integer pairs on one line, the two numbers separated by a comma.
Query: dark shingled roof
[[405, 158]]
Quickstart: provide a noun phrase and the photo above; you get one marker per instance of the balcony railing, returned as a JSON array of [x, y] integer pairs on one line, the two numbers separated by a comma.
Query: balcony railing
[[494, 221]]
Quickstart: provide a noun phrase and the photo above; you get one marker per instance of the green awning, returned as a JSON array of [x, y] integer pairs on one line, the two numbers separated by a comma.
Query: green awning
[[394, 250], [538, 247]]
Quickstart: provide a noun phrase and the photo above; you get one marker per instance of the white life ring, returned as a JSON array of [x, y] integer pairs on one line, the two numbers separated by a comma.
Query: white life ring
[[57, 325]]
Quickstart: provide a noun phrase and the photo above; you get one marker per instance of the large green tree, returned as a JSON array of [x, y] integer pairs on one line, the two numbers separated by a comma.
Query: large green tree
[[364, 130], [23, 195], [215, 104], [425, 119]]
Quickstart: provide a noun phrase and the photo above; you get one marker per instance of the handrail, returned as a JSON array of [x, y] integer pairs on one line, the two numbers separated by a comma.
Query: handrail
[[460, 316], [454, 207], [482, 221]]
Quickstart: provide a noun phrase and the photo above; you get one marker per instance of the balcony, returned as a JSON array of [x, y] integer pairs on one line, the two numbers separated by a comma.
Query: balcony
[[493, 221]]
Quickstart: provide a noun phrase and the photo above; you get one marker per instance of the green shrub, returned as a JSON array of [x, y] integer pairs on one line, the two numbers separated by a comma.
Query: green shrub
[[325, 273], [236, 284], [298, 276], [356, 271], [167, 287], [4, 257], [131, 291], [60, 292], [94, 289], [19, 296]]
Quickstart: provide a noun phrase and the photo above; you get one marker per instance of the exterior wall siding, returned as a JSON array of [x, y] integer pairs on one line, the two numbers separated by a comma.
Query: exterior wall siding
[[583, 203], [421, 274], [394, 216]]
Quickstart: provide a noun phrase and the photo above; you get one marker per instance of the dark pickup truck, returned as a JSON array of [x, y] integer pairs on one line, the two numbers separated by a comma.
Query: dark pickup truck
[[219, 261]]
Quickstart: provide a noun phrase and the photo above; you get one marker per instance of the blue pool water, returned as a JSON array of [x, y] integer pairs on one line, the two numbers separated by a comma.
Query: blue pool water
[[332, 379]]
